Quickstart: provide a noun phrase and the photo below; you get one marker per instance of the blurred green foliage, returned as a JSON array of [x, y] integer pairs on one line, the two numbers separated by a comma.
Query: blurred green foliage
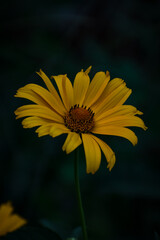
[[63, 37]]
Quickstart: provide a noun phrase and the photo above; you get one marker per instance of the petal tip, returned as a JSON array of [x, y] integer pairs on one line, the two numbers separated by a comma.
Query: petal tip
[[111, 162], [40, 72], [88, 70], [135, 143], [145, 127], [139, 112], [107, 73], [67, 151], [63, 149]]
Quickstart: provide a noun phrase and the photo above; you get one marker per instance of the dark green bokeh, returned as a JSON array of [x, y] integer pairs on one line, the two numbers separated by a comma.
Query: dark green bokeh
[[64, 37]]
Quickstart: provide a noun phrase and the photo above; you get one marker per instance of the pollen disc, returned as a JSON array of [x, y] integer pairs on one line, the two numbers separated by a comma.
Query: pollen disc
[[79, 119]]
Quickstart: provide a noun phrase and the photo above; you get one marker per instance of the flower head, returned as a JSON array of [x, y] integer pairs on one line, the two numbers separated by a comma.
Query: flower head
[[9, 222], [81, 111]]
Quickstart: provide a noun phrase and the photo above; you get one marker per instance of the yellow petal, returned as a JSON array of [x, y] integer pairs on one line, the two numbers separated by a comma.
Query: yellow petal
[[39, 111], [73, 140], [112, 96], [116, 98], [31, 122], [122, 121], [109, 154], [87, 71], [48, 99], [81, 84], [96, 87], [58, 129], [92, 153], [8, 221], [66, 90], [116, 131], [44, 130], [111, 86], [14, 222], [30, 95], [5, 210], [114, 84], [49, 85], [118, 111]]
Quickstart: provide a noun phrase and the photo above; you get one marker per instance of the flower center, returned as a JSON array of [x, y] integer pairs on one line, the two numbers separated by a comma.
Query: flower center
[[79, 119]]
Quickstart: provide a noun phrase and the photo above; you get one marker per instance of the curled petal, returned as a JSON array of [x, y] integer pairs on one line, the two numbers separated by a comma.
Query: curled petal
[[39, 111], [73, 140], [123, 110], [92, 153], [41, 96], [43, 130], [31, 122], [116, 131], [113, 95], [58, 129], [109, 154], [122, 121]]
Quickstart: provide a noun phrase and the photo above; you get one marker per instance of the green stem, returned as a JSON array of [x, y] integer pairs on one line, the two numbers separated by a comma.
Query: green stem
[[81, 211]]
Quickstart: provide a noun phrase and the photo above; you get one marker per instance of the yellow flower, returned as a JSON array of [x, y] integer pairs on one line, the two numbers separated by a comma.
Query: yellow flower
[[81, 110], [9, 222]]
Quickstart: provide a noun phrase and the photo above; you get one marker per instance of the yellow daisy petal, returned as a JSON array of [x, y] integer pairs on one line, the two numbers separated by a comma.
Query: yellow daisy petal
[[111, 86], [97, 86], [122, 121], [58, 129], [48, 99], [118, 111], [87, 71], [92, 153], [30, 95], [73, 140], [109, 154], [31, 122], [39, 111], [14, 222], [112, 98], [50, 86], [5, 210], [117, 131], [44, 130], [66, 90], [8, 221], [80, 86]]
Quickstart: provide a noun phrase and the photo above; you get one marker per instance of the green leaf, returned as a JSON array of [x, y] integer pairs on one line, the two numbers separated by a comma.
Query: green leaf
[[32, 233]]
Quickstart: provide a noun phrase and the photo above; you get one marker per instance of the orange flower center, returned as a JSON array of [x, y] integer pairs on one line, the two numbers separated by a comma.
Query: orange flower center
[[79, 119]]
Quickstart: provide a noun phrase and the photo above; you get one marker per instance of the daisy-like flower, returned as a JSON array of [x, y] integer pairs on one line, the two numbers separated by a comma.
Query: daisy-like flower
[[81, 111], [9, 222]]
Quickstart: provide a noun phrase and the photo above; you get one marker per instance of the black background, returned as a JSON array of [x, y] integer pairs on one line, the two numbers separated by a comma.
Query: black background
[[63, 37]]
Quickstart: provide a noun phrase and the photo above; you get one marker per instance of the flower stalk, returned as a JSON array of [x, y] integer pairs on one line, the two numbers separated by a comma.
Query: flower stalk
[[79, 199]]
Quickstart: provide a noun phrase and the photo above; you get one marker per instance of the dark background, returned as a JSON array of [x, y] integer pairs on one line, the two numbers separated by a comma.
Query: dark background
[[63, 37]]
